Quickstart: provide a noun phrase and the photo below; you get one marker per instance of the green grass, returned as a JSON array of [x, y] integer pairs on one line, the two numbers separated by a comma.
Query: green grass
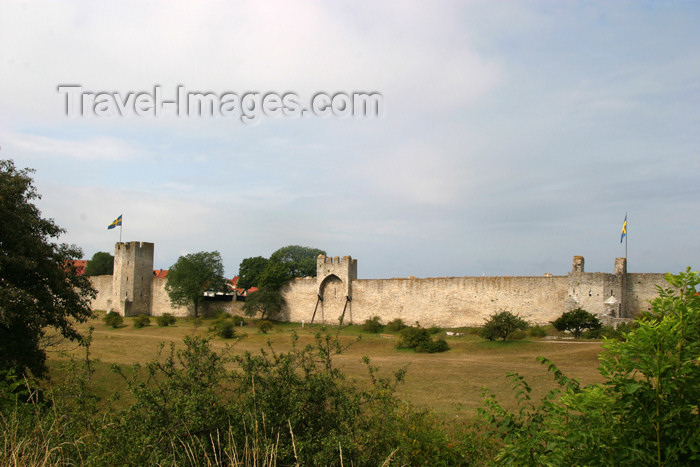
[[450, 383]]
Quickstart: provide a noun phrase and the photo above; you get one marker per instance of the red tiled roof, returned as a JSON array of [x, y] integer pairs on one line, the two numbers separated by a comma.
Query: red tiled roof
[[79, 265], [160, 273]]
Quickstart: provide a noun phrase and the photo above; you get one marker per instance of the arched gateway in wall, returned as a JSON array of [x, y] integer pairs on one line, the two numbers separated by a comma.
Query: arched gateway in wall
[[334, 278]]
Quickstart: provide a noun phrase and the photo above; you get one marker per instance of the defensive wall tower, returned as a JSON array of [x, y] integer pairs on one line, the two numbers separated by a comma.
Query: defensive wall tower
[[334, 278], [132, 278], [599, 293]]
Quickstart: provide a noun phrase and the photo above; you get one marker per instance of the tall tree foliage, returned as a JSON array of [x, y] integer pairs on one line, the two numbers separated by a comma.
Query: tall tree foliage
[[250, 270], [39, 287], [270, 276], [192, 275], [300, 261], [284, 264], [102, 263]]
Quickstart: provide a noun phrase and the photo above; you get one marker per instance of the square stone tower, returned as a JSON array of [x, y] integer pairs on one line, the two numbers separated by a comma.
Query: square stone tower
[[132, 278]]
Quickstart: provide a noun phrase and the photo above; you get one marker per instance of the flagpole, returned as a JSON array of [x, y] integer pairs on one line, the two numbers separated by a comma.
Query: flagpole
[[626, 235], [121, 226]]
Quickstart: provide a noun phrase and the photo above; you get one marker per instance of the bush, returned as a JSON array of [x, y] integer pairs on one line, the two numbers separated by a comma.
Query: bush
[[645, 410], [624, 328], [113, 319], [264, 326], [418, 338], [517, 335], [576, 321], [410, 337], [195, 406], [141, 321], [537, 331], [501, 325], [166, 319], [238, 320], [372, 325], [433, 346], [223, 327], [434, 330], [395, 325]]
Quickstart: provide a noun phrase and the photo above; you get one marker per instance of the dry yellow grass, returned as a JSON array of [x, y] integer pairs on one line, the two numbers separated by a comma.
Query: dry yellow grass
[[450, 383]]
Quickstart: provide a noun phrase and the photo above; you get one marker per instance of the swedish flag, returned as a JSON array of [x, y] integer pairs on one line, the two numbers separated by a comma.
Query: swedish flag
[[622, 236], [116, 222]]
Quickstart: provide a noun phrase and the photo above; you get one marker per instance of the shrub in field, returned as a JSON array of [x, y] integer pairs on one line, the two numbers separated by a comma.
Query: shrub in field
[[645, 412], [537, 331], [141, 321], [576, 321], [411, 336], [395, 325], [238, 320], [166, 319], [372, 325], [223, 327], [264, 326], [418, 338], [432, 330], [432, 346], [113, 319], [501, 325], [517, 335], [196, 406]]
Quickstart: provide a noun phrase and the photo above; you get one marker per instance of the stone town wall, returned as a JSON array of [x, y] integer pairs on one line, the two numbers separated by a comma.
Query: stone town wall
[[103, 285], [441, 301], [589, 290], [300, 296], [444, 301], [161, 302], [642, 287]]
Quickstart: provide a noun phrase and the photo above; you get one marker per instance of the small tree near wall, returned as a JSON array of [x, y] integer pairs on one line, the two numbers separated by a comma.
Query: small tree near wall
[[576, 321], [501, 325]]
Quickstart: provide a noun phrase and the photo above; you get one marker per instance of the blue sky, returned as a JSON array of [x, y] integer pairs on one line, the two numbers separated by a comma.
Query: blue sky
[[514, 134]]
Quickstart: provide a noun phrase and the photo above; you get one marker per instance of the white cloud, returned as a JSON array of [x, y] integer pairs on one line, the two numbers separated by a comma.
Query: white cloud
[[90, 148]]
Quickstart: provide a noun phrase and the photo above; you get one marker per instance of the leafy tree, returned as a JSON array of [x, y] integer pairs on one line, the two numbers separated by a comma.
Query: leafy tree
[[645, 412], [102, 263], [250, 270], [274, 277], [300, 261], [576, 321], [192, 275], [270, 276], [39, 287], [501, 325], [267, 302]]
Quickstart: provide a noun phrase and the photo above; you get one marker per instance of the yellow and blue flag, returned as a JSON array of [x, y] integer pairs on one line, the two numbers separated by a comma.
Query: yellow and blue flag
[[116, 222], [622, 236]]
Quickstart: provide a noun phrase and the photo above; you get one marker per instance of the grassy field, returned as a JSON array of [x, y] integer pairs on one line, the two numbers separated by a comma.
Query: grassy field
[[449, 383]]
